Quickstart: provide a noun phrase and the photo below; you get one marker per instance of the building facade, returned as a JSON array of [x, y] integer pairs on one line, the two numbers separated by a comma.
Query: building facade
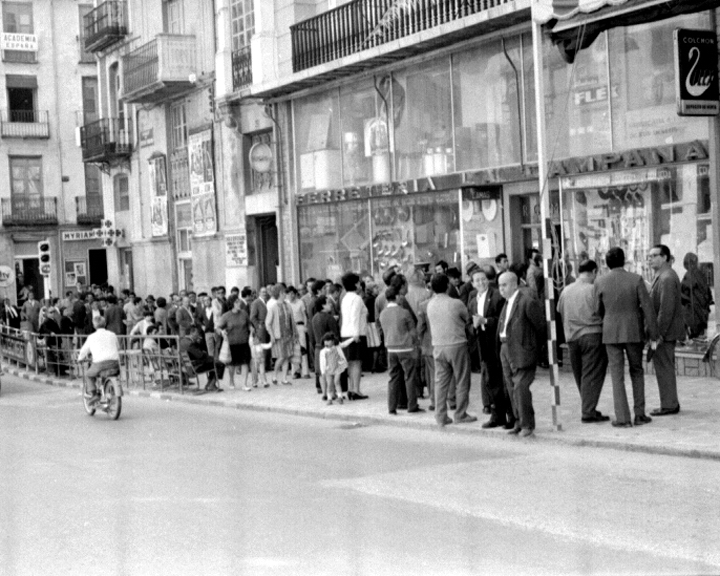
[[49, 195]]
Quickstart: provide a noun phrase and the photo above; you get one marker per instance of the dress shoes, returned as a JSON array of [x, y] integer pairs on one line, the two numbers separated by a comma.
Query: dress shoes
[[359, 396], [525, 432], [402, 406], [665, 411], [492, 424], [415, 410], [393, 412], [509, 425], [467, 419], [596, 418], [617, 424], [445, 422], [640, 420], [515, 430]]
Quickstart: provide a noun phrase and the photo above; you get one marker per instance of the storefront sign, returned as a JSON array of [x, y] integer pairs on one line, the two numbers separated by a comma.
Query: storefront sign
[[202, 183], [158, 188], [482, 192], [236, 250], [696, 72], [7, 276], [21, 42], [621, 178], [76, 235], [630, 159]]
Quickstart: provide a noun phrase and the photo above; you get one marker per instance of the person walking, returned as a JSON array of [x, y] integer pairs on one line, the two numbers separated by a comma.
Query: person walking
[[448, 319], [583, 333], [623, 302], [521, 330], [665, 295]]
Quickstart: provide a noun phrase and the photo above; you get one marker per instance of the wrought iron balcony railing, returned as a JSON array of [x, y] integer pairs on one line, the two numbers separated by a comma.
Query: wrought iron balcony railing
[[105, 25], [160, 69], [106, 140], [362, 24], [24, 124], [89, 210], [242, 68], [29, 211]]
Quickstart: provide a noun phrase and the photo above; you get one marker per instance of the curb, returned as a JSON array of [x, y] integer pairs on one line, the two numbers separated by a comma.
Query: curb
[[556, 438]]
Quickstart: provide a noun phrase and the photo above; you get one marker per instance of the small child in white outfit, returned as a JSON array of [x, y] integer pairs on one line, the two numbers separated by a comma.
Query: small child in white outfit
[[257, 353], [332, 364]]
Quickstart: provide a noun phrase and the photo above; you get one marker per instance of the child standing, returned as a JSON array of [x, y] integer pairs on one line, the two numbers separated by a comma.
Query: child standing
[[258, 352], [332, 364]]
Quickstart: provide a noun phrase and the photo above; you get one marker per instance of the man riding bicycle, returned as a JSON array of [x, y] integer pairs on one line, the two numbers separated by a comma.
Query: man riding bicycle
[[103, 345]]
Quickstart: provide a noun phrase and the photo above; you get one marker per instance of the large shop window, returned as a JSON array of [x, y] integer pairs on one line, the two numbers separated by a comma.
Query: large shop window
[[637, 209], [317, 142], [619, 93]]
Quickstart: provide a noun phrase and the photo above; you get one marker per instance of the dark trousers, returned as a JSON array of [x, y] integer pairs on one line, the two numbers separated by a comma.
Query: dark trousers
[[402, 364], [664, 363], [518, 383], [616, 364], [589, 364], [493, 382]]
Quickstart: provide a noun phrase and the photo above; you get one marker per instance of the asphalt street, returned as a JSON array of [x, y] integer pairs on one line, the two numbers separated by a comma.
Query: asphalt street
[[174, 488]]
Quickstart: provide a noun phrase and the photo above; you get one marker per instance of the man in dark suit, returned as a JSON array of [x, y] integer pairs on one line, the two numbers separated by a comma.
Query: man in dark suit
[[114, 316], [623, 302], [665, 297], [485, 305], [521, 330]]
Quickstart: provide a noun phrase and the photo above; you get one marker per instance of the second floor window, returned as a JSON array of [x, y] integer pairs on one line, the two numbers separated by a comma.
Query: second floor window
[[242, 20], [26, 177]]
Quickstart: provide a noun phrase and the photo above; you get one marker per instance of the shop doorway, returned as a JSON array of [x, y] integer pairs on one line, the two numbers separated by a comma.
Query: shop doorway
[[27, 273], [267, 249], [98, 266], [526, 225]]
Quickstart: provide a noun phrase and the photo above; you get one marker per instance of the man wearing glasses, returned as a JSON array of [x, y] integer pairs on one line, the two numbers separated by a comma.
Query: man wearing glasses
[[665, 296]]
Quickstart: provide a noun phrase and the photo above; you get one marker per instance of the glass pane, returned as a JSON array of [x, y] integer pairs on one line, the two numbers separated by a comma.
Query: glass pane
[[317, 141], [643, 83], [423, 121], [487, 119], [334, 238], [529, 89]]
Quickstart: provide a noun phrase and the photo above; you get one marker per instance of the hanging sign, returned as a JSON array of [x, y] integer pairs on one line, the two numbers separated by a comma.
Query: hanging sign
[[696, 72]]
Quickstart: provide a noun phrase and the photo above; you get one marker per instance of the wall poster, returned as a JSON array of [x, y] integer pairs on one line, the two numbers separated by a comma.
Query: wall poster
[[236, 252], [158, 187], [202, 183]]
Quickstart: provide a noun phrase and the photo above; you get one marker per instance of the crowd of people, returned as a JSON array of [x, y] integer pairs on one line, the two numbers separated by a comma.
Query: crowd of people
[[430, 330]]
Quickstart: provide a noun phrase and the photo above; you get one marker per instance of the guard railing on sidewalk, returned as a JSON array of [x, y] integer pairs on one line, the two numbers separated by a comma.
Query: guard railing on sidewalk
[[160, 367]]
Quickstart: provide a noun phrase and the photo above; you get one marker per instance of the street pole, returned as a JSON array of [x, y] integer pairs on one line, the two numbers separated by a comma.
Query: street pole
[[546, 218]]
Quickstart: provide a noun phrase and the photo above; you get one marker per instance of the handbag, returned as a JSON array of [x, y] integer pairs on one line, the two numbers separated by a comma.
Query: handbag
[[225, 357]]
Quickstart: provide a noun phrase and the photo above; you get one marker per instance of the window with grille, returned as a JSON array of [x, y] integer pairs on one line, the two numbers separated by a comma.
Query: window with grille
[[179, 167], [85, 56], [18, 19], [242, 21], [121, 191]]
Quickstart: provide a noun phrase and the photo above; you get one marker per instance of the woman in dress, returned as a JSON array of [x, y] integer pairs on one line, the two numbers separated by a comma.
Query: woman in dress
[[283, 332], [234, 326]]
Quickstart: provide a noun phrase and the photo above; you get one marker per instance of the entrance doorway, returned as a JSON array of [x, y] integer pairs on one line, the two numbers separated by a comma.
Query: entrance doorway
[[27, 272], [267, 249], [98, 266]]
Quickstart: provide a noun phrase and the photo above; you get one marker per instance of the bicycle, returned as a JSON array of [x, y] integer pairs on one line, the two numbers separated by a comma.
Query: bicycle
[[111, 392]]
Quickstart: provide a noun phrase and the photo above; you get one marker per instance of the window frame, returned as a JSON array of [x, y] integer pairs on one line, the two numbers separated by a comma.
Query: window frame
[[13, 161], [121, 197]]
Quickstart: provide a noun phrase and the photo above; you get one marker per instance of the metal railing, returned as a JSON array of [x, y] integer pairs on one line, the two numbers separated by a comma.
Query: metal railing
[[105, 25], [36, 211], [242, 68], [363, 24], [106, 138], [89, 209], [161, 367], [169, 58], [24, 124]]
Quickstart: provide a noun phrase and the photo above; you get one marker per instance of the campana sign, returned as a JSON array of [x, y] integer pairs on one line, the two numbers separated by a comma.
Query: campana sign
[[696, 72]]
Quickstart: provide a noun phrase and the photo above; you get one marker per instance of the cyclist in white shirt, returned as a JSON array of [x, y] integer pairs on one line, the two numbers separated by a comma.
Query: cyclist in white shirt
[[105, 350]]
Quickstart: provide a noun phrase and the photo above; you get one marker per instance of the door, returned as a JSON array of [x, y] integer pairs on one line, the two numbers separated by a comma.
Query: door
[[98, 266], [27, 271], [268, 254]]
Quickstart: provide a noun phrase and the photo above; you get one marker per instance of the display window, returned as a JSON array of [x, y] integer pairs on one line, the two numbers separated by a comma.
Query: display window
[[317, 140], [482, 225]]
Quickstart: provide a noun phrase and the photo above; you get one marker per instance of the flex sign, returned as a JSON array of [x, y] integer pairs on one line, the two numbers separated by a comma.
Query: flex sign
[[696, 72]]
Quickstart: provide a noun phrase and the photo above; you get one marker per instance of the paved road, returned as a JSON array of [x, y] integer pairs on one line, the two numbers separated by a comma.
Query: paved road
[[185, 489]]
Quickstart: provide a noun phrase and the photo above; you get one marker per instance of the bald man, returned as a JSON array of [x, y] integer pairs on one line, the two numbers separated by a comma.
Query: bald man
[[521, 330]]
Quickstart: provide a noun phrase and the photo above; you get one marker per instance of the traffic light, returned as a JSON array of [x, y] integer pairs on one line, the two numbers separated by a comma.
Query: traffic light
[[45, 257]]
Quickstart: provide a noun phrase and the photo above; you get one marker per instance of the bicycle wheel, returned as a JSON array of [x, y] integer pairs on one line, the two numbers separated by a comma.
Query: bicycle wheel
[[89, 408], [114, 403]]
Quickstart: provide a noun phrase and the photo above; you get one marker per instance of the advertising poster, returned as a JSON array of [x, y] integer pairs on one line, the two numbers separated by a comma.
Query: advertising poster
[[158, 186], [202, 183], [236, 251]]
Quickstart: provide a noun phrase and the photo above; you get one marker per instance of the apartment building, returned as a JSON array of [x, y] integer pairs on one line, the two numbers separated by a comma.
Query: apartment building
[[48, 195]]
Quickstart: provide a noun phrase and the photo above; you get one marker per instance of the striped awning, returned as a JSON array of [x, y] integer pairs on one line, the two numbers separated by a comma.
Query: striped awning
[[546, 10]]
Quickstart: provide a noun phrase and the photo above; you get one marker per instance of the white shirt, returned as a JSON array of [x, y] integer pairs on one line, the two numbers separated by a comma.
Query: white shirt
[[354, 316], [508, 314], [481, 306], [102, 344]]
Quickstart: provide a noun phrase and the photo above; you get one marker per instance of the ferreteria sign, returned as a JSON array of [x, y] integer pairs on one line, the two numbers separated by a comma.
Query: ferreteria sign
[[630, 159]]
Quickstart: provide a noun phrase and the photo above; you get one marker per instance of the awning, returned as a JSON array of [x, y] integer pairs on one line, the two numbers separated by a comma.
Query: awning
[[575, 24]]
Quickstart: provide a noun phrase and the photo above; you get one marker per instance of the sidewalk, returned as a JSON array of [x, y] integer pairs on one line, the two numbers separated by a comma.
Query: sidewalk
[[695, 432]]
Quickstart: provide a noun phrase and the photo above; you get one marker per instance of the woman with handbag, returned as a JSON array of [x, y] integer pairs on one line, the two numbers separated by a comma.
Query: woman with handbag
[[234, 326], [283, 332]]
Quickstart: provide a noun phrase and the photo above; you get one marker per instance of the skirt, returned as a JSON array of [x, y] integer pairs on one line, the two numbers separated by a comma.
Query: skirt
[[354, 352], [283, 347], [240, 354]]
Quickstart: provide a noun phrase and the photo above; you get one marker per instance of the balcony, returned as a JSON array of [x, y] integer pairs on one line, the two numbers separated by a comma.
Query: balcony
[[26, 211], [105, 25], [24, 124], [241, 68], [89, 210], [362, 24], [160, 69], [107, 140]]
